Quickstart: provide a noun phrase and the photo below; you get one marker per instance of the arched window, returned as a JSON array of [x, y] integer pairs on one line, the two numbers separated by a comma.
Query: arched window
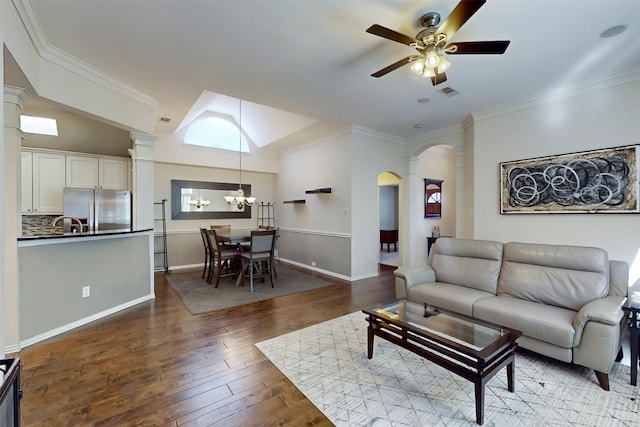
[[215, 132]]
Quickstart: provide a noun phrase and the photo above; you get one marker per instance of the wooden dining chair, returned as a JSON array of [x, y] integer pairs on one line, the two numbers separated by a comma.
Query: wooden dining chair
[[224, 229], [260, 257], [224, 260], [205, 242]]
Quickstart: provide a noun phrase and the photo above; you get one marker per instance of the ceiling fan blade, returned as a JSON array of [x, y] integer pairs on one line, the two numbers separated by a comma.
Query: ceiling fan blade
[[386, 33], [497, 47], [392, 67], [438, 78], [461, 14]]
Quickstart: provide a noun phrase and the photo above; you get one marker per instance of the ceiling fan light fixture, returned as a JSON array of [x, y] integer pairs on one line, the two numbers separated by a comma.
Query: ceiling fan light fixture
[[429, 72], [418, 66], [443, 65], [431, 58]]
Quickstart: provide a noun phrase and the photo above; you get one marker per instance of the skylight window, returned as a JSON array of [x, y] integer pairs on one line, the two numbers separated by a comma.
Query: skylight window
[[215, 132], [40, 125]]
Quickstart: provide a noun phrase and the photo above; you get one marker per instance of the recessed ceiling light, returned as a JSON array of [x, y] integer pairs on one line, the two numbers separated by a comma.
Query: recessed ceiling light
[[418, 126], [613, 31], [423, 100]]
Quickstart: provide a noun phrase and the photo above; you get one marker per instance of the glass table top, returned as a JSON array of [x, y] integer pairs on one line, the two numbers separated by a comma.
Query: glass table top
[[464, 331]]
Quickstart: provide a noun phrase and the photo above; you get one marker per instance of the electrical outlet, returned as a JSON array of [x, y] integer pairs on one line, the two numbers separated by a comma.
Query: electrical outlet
[[313, 263], [86, 291]]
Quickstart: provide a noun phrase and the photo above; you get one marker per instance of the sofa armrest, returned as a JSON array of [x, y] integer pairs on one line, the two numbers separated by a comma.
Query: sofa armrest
[[606, 310], [410, 276]]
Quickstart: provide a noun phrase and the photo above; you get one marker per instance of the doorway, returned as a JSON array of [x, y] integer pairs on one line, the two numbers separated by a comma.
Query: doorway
[[388, 215]]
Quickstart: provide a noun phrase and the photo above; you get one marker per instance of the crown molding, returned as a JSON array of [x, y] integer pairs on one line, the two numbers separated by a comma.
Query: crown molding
[[58, 57], [84, 70], [365, 131], [343, 131], [437, 133], [588, 86], [31, 23]]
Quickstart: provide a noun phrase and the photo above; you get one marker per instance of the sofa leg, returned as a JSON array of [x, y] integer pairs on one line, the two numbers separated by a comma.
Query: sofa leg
[[603, 379]]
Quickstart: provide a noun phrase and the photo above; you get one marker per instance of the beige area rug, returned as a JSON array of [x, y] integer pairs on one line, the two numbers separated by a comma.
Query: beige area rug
[[201, 297], [328, 363]]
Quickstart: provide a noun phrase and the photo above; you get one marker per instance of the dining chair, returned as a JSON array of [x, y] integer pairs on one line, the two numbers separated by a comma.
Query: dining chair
[[224, 230], [221, 259], [260, 257], [205, 242]]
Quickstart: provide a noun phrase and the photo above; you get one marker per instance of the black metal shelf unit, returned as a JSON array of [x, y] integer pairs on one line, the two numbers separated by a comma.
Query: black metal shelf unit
[[161, 259], [266, 215]]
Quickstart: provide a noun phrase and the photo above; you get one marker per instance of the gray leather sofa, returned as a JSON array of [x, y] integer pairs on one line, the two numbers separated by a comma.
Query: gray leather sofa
[[566, 300]]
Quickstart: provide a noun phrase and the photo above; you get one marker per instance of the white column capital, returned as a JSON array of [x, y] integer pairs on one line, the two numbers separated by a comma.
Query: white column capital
[[14, 95], [143, 145]]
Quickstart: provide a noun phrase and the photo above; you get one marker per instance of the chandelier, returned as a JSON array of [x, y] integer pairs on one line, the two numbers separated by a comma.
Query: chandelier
[[198, 202], [239, 199]]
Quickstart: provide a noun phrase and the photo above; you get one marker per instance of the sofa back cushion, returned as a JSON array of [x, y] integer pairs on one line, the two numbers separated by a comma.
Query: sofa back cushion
[[471, 263], [562, 276]]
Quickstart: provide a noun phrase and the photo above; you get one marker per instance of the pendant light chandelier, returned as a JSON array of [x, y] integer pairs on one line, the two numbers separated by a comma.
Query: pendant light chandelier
[[198, 202], [239, 199]]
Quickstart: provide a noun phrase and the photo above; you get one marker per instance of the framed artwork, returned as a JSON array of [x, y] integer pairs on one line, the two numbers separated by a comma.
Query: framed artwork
[[432, 198], [599, 181]]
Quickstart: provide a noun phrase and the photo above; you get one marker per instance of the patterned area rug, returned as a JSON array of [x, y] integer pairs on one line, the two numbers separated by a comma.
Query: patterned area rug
[[201, 297], [328, 363]]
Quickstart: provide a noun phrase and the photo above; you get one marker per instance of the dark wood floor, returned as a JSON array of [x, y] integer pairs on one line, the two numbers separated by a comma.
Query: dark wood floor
[[156, 364]]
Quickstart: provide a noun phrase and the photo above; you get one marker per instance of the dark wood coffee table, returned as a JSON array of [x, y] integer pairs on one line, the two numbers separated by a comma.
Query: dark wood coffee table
[[470, 348]]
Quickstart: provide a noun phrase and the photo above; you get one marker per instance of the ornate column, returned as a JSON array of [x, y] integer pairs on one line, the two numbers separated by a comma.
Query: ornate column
[[461, 210], [11, 224], [412, 204], [142, 179]]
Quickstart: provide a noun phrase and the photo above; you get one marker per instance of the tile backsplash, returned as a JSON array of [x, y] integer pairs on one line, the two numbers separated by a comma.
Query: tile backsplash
[[40, 225]]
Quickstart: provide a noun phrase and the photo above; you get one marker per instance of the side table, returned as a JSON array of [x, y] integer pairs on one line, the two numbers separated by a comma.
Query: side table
[[632, 310]]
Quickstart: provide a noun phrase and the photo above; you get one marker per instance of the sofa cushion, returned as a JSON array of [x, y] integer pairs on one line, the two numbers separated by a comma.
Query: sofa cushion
[[538, 321], [563, 276], [470, 263], [447, 296]]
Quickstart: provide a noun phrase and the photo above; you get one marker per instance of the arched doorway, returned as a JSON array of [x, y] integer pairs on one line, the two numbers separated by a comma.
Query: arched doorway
[[389, 218]]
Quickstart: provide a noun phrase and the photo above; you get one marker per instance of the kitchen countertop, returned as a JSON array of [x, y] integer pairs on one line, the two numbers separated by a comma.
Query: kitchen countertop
[[83, 235]]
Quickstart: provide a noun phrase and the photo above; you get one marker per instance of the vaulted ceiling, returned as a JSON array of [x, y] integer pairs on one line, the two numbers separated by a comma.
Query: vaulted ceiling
[[314, 58]]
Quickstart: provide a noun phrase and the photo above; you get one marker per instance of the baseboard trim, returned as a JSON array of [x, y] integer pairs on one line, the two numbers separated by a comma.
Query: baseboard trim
[[77, 323]]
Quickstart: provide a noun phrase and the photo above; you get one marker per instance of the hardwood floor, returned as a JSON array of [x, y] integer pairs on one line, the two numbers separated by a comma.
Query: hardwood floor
[[156, 364]]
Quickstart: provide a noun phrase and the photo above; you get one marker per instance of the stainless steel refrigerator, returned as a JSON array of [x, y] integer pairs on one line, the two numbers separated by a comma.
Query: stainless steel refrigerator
[[98, 210]]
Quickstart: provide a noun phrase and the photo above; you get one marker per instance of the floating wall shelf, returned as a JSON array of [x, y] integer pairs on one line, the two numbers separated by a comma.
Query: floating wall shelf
[[295, 201], [319, 190]]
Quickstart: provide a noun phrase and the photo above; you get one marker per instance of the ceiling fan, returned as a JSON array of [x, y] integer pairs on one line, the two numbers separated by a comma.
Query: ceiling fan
[[434, 41]]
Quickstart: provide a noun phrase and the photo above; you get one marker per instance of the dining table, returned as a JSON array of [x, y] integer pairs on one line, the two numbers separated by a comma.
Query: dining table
[[236, 236]]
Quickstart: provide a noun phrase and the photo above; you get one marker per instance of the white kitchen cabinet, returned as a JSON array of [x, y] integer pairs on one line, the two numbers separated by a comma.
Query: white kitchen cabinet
[[48, 182], [27, 180], [82, 172], [97, 172], [113, 173]]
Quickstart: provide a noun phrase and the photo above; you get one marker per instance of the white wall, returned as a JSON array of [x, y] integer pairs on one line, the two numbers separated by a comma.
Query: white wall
[[437, 162], [372, 155], [598, 119]]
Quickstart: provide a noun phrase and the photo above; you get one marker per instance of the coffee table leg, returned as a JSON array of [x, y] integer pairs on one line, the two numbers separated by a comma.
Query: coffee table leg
[[480, 402], [635, 336], [510, 377], [370, 340]]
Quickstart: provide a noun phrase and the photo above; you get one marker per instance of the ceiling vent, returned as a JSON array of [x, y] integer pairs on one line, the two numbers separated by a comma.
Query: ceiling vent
[[449, 91]]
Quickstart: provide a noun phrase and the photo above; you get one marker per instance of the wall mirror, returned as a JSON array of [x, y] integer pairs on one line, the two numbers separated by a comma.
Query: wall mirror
[[432, 198], [204, 200]]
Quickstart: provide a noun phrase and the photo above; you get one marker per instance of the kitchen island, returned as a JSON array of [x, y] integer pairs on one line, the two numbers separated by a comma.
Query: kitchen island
[[68, 280]]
